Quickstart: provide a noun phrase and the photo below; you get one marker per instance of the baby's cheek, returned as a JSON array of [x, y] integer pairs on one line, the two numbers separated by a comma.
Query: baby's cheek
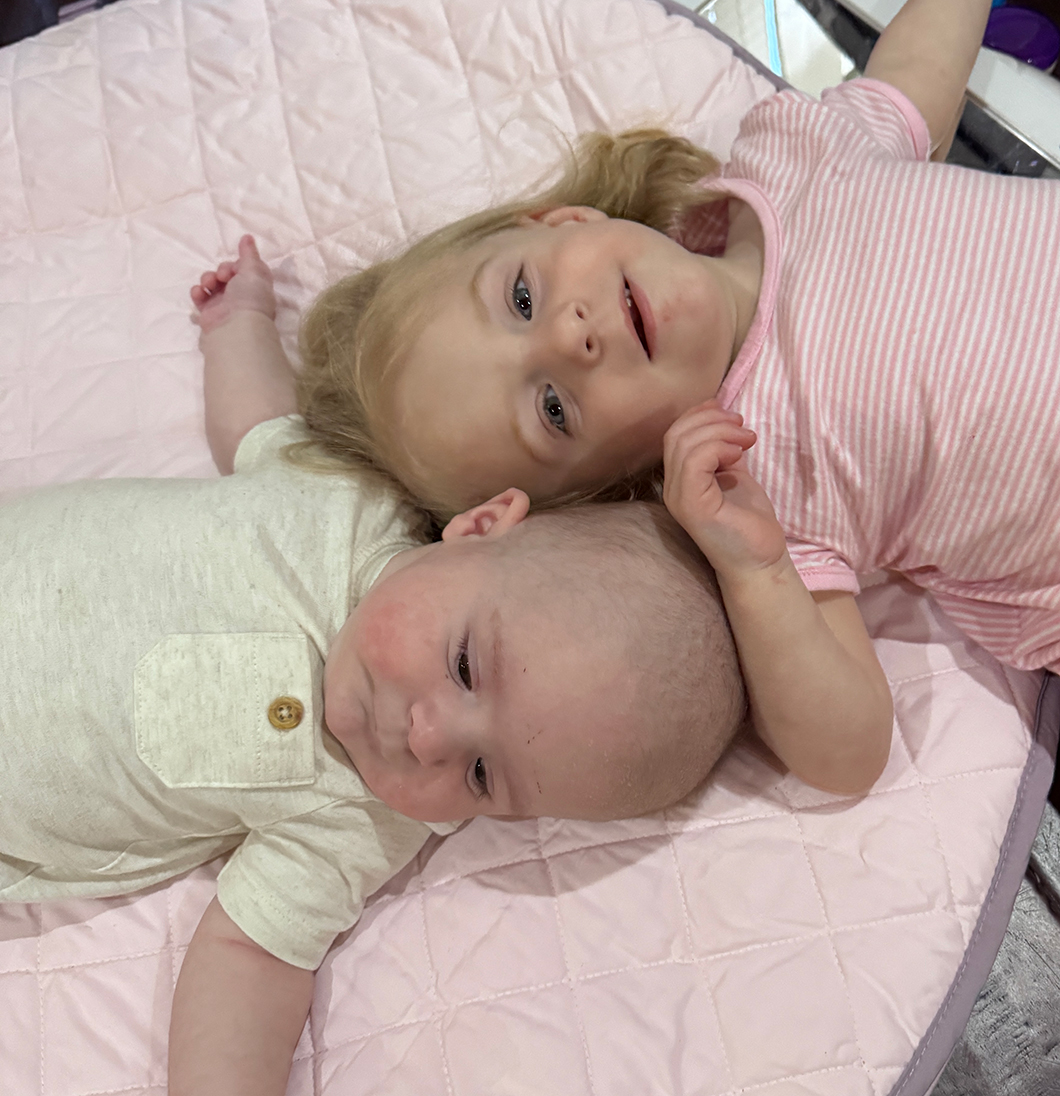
[[387, 637]]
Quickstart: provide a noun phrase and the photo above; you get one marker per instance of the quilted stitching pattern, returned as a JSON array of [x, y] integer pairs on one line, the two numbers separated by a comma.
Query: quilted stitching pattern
[[762, 938], [139, 142]]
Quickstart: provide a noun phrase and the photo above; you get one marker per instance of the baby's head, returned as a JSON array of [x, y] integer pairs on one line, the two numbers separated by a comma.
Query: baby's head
[[547, 344], [577, 664]]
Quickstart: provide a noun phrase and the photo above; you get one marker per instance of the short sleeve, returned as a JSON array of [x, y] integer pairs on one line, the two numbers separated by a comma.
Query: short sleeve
[[264, 443], [293, 886], [821, 569], [791, 141], [886, 116]]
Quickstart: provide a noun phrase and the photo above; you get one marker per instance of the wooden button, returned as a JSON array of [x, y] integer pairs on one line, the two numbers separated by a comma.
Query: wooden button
[[286, 712]]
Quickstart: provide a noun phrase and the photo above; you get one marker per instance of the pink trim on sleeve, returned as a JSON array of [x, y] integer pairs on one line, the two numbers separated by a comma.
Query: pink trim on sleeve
[[829, 578], [918, 130]]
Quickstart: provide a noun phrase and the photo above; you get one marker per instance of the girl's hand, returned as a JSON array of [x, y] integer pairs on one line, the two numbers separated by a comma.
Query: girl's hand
[[710, 492], [247, 378], [242, 286], [819, 699]]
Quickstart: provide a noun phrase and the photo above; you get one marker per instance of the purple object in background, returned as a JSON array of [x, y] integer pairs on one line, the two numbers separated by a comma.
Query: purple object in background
[[1025, 35]]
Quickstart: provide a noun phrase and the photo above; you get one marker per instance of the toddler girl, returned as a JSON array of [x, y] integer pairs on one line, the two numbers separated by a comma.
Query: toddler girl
[[887, 327]]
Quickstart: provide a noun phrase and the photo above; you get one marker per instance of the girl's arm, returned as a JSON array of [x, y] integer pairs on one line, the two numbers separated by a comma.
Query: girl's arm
[[237, 1014], [247, 377], [819, 698], [927, 51]]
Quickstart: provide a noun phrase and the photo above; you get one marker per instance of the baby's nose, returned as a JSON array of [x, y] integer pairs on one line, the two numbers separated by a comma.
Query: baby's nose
[[427, 738]]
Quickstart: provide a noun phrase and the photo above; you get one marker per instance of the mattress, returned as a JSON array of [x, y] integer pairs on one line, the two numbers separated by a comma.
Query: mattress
[[760, 937]]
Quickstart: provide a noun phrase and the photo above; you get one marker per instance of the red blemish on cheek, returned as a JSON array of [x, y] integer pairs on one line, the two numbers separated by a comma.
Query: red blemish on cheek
[[386, 629]]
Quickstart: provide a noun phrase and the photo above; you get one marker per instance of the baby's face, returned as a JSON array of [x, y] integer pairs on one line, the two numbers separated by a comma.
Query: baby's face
[[454, 698], [558, 355]]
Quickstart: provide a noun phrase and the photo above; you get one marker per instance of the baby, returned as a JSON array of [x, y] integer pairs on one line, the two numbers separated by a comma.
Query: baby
[[274, 664], [887, 326]]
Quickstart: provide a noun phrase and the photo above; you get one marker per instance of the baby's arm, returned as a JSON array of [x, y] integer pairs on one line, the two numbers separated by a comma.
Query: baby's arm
[[247, 378], [819, 698], [927, 51], [237, 1014]]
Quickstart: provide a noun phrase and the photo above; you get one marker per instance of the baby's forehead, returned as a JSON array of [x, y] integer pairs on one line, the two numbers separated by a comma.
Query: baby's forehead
[[568, 593]]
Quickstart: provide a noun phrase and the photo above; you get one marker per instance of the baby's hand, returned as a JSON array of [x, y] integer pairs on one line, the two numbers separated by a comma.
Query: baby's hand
[[710, 492], [242, 286]]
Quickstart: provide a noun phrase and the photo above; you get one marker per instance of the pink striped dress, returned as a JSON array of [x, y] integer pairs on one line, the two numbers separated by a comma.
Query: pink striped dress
[[903, 368]]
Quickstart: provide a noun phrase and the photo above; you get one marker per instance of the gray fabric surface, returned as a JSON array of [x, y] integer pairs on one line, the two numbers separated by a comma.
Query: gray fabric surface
[[1011, 1046]]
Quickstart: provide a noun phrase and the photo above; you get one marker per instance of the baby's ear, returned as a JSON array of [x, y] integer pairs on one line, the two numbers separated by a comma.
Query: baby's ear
[[490, 519], [562, 215]]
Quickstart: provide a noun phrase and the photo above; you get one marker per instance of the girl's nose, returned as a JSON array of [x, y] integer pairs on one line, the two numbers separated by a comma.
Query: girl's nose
[[574, 335], [428, 740]]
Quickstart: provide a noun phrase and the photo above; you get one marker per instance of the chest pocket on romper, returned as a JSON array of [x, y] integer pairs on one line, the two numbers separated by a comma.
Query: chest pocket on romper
[[227, 711]]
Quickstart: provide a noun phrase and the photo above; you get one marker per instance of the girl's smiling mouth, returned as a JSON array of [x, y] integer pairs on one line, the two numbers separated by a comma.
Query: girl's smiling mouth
[[640, 317]]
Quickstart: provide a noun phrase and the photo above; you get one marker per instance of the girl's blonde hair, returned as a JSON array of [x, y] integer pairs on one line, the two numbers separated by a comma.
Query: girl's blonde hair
[[358, 330]]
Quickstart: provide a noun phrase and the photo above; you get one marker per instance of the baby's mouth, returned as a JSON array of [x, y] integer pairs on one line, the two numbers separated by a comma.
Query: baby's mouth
[[638, 323]]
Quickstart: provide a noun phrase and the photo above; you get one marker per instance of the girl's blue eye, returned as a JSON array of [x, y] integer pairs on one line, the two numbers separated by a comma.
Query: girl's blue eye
[[553, 409], [521, 297], [479, 775], [463, 669]]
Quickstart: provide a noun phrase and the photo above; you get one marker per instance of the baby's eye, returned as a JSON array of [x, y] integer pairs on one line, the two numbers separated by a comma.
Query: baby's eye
[[553, 409], [521, 297], [463, 669], [478, 774]]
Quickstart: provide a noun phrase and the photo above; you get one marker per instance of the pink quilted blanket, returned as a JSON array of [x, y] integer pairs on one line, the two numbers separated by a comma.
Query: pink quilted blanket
[[761, 938]]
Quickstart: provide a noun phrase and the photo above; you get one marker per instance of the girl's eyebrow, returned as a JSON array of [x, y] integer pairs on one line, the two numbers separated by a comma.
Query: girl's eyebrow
[[476, 292], [522, 441]]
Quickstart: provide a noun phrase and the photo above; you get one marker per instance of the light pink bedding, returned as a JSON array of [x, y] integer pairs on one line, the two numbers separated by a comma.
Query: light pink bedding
[[761, 938]]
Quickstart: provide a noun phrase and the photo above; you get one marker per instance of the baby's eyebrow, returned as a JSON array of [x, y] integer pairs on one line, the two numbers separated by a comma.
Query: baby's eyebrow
[[517, 805], [496, 668], [498, 671]]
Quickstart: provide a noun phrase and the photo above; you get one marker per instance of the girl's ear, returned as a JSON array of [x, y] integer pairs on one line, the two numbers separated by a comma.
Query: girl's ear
[[562, 215], [490, 519]]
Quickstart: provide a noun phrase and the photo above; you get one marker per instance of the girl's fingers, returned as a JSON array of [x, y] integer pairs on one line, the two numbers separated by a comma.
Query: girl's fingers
[[699, 427], [696, 479], [213, 282], [685, 446], [710, 411], [707, 461], [726, 431]]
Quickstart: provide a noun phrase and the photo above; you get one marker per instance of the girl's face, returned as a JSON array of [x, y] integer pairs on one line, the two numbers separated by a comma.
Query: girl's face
[[558, 355]]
